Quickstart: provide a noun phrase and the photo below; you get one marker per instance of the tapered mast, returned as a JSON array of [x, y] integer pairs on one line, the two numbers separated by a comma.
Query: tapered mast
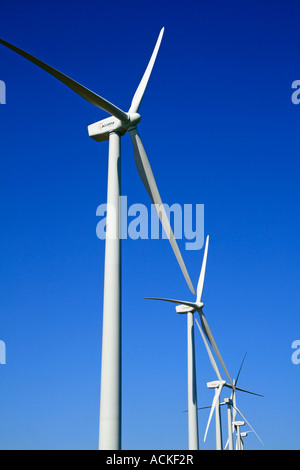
[[110, 401]]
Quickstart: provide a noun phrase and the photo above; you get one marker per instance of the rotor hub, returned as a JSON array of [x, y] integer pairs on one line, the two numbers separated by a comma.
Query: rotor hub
[[134, 119]]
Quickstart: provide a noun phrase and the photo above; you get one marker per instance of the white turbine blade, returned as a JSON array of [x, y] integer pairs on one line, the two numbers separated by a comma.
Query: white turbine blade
[[202, 272], [82, 91], [179, 302], [240, 413], [146, 175], [211, 357], [214, 403], [138, 96], [211, 339], [201, 408]]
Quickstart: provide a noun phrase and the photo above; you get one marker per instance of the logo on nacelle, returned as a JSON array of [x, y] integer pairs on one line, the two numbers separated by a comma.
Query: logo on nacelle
[[103, 125]]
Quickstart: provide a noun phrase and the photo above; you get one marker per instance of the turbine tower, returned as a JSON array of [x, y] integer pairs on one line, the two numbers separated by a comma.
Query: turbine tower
[[112, 129], [228, 402]]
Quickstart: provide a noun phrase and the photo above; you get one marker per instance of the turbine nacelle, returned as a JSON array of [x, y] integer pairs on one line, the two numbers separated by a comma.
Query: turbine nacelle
[[184, 309], [216, 383], [100, 130], [228, 401], [238, 423]]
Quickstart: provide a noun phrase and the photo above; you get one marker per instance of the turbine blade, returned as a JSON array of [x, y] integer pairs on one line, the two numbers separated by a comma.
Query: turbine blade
[[202, 272], [238, 374], [247, 391], [179, 302], [201, 408], [208, 334], [146, 175], [213, 406], [138, 96], [240, 413], [82, 91], [211, 357]]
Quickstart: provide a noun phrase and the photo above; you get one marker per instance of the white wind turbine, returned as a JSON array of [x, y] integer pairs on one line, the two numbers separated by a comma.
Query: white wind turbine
[[242, 435], [189, 308], [230, 402], [218, 386], [235, 410], [238, 425], [111, 129]]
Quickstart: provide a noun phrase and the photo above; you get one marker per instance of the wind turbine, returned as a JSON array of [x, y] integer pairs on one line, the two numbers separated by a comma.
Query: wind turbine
[[232, 404], [236, 410], [242, 435], [186, 306], [189, 308], [112, 129], [237, 425], [218, 386]]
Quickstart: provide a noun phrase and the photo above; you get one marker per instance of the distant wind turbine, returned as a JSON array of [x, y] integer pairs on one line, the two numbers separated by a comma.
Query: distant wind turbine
[[218, 386], [112, 129], [238, 425], [189, 308], [235, 410], [242, 435]]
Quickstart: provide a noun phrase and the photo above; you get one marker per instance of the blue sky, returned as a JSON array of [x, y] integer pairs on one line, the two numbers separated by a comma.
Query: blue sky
[[220, 129]]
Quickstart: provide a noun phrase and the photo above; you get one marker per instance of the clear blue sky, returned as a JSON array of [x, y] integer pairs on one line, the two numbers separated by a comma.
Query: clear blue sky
[[220, 129]]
